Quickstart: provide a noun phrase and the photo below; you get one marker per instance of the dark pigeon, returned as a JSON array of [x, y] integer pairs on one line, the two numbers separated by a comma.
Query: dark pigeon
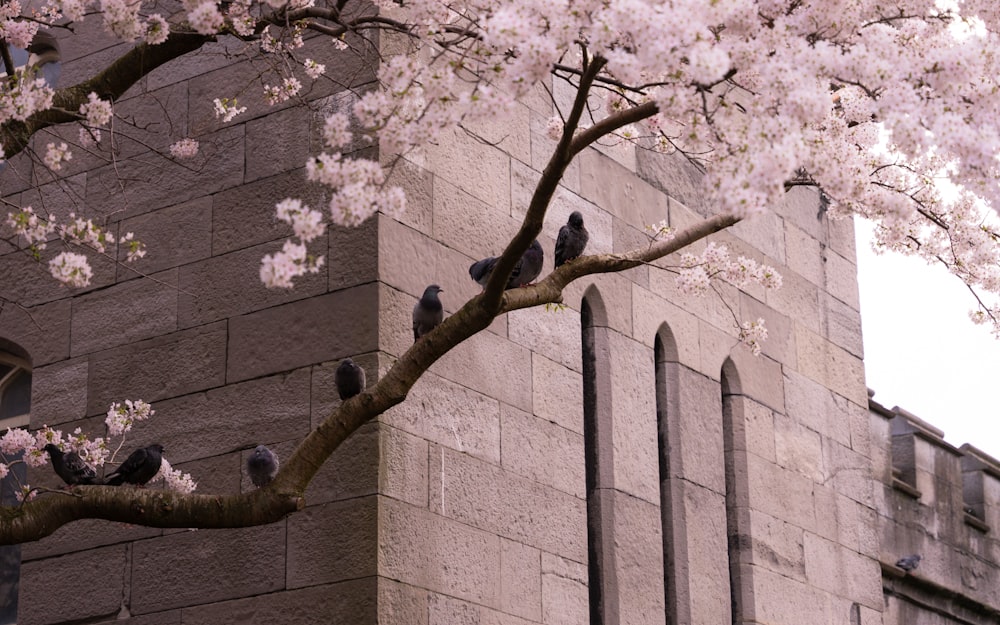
[[572, 239], [428, 313], [71, 467], [262, 465], [350, 379], [909, 563], [481, 270], [139, 468], [528, 267]]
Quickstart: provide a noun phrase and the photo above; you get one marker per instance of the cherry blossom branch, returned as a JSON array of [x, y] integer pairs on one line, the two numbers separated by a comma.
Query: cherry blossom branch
[[110, 84]]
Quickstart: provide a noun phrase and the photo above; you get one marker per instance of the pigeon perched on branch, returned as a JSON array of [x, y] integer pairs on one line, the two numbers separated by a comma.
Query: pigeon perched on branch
[[71, 467], [528, 267], [138, 468], [350, 379], [262, 466], [909, 563], [428, 313], [572, 239]]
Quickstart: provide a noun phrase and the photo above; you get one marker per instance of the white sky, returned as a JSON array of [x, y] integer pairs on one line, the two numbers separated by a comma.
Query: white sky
[[922, 353]]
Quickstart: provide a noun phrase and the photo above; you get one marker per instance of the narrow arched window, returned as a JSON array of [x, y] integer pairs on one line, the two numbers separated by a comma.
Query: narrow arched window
[[665, 363], [15, 408], [596, 441], [737, 523]]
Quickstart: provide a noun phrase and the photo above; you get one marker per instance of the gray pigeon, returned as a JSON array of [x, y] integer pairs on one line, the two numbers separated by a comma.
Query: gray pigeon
[[525, 271], [909, 563], [572, 239], [71, 467], [139, 468], [428, 313], [262, 466], [350, 379], [481, 270]]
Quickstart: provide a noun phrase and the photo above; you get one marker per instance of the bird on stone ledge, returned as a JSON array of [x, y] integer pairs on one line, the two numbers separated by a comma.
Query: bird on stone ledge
[[909, 563]]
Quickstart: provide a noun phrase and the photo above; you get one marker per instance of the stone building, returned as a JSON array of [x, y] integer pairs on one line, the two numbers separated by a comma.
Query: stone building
[[620, 461]]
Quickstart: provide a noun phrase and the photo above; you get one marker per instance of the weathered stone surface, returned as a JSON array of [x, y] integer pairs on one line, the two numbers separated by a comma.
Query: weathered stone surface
[[277, 142], [175, 235], [244, 216], [776, 545], [696, 401], [418, 183], [450, 414], [351, 471], [805, 255], [332, 542], [633, 405], [479, 169], [797, 299], [473, 227], [613, 188], [75, 580], [520, 580], [59, 392], [418, 547], [234, 417], [542, 451], [492, 366], [401, 604], [147, 182], [650, 313], [564, 598], [402, 466], [673, 175], [125, 313], [200, 567], [780, 343], [229, 285], [557, 393], [830, 365], [842, 279], [764, 232], [638, 562], [781, 493], [798, 448], [352, 258], [497, 501], [346, 603], [842, 325], [322, 328], [554, 334], [166, 366], [82, 535]]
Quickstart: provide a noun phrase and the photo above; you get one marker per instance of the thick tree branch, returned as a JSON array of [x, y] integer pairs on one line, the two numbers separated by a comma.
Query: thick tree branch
[[110, 84], [151, 508]]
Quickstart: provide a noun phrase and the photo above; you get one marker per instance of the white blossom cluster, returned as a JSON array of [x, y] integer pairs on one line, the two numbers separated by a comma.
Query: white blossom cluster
[[95, 452], [70, 268], [697, 271]]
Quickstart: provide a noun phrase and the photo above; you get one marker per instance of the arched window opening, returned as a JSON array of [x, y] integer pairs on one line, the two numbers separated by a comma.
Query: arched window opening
[[597, 439], [735, 459], [15, 409], [665, 357]]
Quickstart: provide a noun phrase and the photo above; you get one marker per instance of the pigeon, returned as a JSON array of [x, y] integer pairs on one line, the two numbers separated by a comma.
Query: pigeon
[[350, 379], [909, 562], [138, 468], [71, 467], [428, 313], [572, 239], [481, 270], [262, 465], [528, 267]]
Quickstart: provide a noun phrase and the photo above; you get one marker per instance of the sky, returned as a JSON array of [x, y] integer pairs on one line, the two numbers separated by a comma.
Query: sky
[[922, 353]]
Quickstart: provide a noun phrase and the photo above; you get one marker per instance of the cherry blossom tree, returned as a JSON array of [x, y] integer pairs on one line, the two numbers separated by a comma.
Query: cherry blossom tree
[[890, 109]]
